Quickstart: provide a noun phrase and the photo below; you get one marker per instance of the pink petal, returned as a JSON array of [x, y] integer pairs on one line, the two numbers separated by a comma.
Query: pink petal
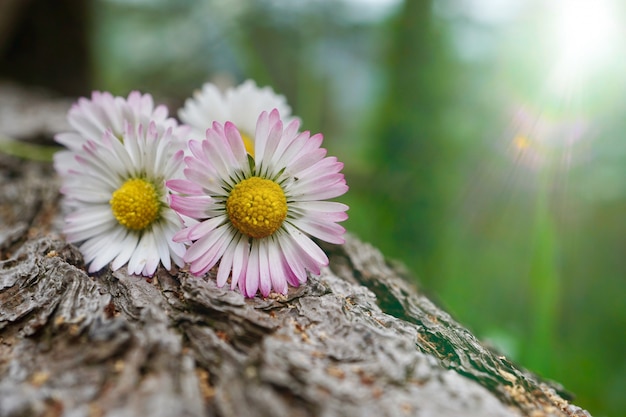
[[206, 252], [206, 243], [206, 227], [192, 206], [184, 186], [181, 236]]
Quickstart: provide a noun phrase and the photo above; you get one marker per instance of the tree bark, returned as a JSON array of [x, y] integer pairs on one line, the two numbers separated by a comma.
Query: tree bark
[[359, 340]]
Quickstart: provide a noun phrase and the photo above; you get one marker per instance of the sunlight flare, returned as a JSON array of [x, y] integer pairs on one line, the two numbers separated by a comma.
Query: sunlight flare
[[586, 36]]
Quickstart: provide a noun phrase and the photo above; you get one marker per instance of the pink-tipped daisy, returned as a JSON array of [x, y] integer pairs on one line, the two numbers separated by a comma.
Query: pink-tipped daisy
[[256, 214], [91, 118], [239, 105], [117, 201]]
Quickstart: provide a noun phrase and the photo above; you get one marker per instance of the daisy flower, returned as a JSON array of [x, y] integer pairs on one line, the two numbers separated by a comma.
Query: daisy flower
[[91, 118], [256, 214], [239, 105], [119, 211]]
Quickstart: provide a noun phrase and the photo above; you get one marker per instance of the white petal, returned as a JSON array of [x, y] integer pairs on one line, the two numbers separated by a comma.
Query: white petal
[[126, 248], [277, 275], [162, 247], [251, 284], [265, 283], [77, 232], [292, 257], [144, 257], [307, 245], [152, 253], [101, 250], [226, 263], [240, 261]]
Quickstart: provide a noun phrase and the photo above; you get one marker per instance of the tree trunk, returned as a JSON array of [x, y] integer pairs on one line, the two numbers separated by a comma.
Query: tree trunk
[[360, 340]]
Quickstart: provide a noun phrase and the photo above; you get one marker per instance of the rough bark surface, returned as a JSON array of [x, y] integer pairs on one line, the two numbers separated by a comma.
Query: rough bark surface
[[360, 340]]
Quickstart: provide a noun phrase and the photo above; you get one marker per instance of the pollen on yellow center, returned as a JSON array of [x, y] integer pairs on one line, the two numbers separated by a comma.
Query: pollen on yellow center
[[135, 204], [248, 143], [257, 207]]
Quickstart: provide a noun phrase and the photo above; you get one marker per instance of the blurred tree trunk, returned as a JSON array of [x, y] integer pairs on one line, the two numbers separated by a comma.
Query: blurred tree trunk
[[411, 151], [45, 43]]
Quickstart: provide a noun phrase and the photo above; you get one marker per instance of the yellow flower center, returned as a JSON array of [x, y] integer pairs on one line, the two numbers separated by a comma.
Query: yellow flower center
[[247, 143], [257, 207], [135, 204]]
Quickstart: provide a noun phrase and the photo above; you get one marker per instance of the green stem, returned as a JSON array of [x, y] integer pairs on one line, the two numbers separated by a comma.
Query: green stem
[[25, 150]]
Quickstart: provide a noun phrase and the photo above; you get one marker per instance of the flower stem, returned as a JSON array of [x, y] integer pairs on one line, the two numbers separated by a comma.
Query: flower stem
[[25, 150]]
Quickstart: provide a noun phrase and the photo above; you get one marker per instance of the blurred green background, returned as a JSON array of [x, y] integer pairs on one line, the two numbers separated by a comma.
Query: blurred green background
[[482, 142]]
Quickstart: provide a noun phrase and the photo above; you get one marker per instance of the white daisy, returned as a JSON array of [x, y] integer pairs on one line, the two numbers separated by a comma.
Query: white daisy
[[239, 105], [119, 211], [90, 118], [256, 214]]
